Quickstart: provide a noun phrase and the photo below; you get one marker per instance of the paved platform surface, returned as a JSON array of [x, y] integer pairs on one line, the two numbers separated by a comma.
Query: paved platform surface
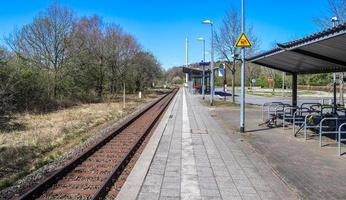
[[196, 159], [313, 172]]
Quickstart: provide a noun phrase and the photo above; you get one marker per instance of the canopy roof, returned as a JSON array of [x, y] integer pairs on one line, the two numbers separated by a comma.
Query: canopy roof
[[322, 52]]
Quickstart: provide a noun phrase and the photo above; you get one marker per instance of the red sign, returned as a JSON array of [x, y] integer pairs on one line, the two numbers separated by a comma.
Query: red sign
[[270, 79]]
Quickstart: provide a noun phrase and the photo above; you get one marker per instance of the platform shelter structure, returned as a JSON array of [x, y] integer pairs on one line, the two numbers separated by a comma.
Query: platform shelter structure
[[322, 52], [195, 77]]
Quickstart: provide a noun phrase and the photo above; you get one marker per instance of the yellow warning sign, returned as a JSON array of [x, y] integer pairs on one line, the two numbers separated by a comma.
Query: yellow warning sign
[[243, 41]]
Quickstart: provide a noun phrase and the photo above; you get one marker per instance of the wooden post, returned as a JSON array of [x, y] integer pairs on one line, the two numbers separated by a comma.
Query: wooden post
[[124, 99]]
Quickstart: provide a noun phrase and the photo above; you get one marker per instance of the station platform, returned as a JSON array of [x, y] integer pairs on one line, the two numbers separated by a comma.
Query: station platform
[[190, 156]]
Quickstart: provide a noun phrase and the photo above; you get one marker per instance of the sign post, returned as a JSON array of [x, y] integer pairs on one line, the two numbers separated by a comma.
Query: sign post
[[243, 43], [222, 73]]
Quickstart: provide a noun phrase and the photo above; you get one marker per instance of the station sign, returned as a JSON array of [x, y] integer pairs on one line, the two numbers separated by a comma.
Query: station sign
[[204, 63], [270, 79], [221, 70]]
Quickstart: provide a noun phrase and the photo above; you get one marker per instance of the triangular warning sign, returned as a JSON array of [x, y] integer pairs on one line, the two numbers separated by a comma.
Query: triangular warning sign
[[243, 41]]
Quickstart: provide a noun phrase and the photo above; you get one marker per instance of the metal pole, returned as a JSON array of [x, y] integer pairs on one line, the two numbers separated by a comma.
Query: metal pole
[[294, 89], [233, 77], [242, 101], [334, 93], [341, 82], [203, 77], [283, 84], [212, 67], [334, 20], [225, 82], [187, 59]]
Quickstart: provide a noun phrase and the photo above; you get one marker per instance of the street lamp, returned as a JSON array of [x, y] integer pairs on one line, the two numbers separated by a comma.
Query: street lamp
[[209, 22], [203, 76], [335, 20]]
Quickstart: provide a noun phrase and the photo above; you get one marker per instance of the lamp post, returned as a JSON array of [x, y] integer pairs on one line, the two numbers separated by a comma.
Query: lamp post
[[203, 76], [209, 22], [187, 61], [334, 20]]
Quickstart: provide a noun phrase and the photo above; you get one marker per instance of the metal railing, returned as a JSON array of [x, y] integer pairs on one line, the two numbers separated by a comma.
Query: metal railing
[[339, 138], [288, 115], [322, 132]]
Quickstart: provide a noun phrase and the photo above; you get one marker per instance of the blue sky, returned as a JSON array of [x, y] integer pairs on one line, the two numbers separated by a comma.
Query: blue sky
[[161, 25]]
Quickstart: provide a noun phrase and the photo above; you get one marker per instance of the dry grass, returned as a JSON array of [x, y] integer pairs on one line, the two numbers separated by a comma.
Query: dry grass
[[42, 138]]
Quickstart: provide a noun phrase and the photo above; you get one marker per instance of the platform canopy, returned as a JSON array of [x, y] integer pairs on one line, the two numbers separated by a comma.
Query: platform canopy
[[322, 52]]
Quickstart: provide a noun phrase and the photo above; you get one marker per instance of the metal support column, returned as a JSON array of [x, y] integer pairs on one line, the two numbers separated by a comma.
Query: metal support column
[[334, 93], [294, 89]]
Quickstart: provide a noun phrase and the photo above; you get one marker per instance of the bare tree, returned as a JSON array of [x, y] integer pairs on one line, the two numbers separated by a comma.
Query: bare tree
[[43, 42], [87, 44], [121, 48], [144, 70], [226, 38]]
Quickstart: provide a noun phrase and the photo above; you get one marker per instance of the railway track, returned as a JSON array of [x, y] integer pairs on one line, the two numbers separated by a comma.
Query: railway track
[[92, 174]]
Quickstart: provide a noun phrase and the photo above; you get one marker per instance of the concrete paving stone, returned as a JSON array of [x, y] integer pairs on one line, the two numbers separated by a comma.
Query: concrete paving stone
[[201, 169], [222, 173], [170, 192], [231, 198], [203, 164], [171, 185], [242, 183], [211, 198], [258, 181], [267, 195], [148, 196], [169, 198], [234, 166], [189, 170], [201, 158], [159, 160], [151, 188], [216, 161], [224, 179], [153, 179], [159, 170], [241, 175], [173, 168], [208, 185], [172, 173], [250, 197], [172, 179], [190, 197], [263, 188], [226, 194], [206, 175], [210, 193], [227, 186], [173, 161], [246, 190]]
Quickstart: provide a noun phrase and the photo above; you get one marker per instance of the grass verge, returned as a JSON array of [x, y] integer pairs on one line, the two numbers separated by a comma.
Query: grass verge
[[44, 137]]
